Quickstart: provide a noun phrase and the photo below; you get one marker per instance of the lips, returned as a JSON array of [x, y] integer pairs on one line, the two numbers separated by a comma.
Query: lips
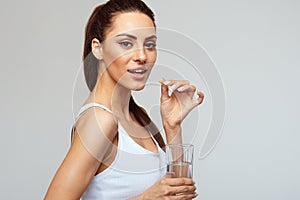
[[137, 71]]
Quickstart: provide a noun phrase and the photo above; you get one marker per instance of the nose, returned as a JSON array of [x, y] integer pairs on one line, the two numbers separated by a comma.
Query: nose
[[139, 55]]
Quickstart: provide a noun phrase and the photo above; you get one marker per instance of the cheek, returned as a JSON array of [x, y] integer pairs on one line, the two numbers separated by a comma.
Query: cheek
[[152, 57], [111, 56], [117, 67]]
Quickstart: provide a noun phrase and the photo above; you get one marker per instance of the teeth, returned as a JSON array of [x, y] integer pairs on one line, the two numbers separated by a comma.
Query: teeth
[[139, 71]]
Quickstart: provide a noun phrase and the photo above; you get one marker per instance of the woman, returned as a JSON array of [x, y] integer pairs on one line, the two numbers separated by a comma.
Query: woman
[[116, 151]]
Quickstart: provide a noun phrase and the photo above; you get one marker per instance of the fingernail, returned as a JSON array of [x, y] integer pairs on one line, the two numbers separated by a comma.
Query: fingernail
[[166, 82], [172, 87], [170, 91], [195, 96], [180, 89]]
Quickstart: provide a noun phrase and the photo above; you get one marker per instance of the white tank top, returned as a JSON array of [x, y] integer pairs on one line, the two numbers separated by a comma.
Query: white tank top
[[133, 170]]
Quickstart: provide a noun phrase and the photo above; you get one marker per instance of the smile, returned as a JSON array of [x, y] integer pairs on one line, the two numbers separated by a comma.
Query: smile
[[137, 71]]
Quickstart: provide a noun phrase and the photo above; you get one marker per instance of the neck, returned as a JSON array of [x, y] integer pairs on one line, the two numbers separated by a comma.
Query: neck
[[112, 95]]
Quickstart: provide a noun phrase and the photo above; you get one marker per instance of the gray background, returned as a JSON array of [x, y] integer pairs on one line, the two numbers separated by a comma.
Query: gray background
[[255, 45]]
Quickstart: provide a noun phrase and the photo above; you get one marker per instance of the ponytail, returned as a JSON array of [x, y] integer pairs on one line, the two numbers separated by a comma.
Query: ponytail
[[144, 120]]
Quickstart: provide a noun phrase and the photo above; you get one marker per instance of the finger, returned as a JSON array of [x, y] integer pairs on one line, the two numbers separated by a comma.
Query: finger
[[183, 189], [200, 98], [164, 93], [178, 84], [183, 196], [186, 88], [178, 181], [173, 84]]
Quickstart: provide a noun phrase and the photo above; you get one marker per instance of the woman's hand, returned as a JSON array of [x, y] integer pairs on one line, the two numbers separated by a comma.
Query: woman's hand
[[175, 108], [170, 188]]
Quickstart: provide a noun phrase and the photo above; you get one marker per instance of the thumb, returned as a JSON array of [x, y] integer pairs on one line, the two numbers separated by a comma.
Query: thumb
[[164, 93]]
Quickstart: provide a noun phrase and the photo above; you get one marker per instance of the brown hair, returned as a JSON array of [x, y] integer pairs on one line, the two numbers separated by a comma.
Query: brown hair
[[99, 22]]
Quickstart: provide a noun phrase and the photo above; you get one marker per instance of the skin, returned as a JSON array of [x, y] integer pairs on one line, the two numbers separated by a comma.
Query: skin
[[117, 55]]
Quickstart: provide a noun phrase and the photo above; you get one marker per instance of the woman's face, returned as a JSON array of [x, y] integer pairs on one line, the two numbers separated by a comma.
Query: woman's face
[[129, 50]]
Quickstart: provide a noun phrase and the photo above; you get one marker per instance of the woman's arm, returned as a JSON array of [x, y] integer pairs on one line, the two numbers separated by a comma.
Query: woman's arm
[[173, 134], [175, 107], [74, 174], [81, 163]]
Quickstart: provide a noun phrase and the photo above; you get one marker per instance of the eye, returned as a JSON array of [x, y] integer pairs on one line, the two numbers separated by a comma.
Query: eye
[[126, 44], [150, 45]]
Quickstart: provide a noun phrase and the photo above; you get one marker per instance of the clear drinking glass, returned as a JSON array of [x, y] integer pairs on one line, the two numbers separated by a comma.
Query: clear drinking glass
[[180, 160]]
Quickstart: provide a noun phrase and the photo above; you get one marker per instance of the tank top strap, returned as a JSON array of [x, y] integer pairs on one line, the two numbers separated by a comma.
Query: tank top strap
[[83, 109], [90, 105]]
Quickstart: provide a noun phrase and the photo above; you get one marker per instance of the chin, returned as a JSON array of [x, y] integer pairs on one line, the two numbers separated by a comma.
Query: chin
[[138, 88]]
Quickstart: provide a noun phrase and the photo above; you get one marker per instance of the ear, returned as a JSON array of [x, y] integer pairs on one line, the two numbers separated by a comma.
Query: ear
[[97, 49]]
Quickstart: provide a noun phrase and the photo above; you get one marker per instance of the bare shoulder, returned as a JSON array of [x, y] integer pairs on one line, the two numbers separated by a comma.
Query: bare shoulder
[[91, 135], [96, 121]]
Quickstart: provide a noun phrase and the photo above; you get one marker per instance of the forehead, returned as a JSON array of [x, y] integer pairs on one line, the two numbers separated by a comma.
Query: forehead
[[131, 22]]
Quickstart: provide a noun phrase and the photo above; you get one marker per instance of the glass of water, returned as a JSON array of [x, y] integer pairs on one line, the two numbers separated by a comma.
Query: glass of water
[[180, 160]]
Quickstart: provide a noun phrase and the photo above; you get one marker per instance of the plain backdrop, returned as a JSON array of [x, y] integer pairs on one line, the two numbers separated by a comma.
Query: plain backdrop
[[254, 44]]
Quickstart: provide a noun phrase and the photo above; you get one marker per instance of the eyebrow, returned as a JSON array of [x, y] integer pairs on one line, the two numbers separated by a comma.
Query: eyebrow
[[134, 37]]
